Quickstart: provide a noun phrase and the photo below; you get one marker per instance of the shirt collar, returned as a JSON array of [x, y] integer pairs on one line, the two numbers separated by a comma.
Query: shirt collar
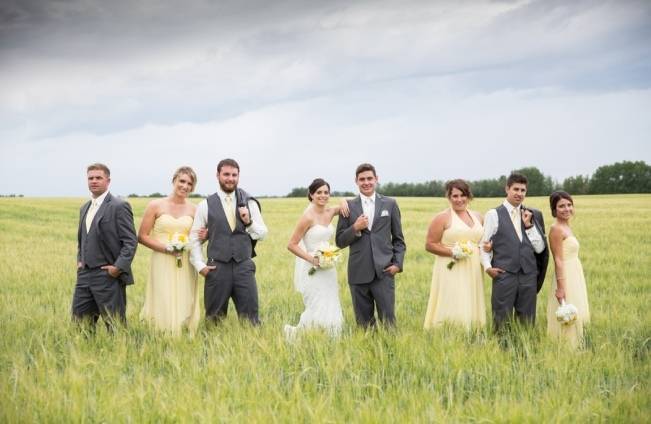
[[509, 207], [99, 199], [366, 198], [222, 194]]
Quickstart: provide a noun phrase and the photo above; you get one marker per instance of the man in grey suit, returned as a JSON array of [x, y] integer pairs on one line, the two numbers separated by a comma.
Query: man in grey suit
[[234, 222], [518, 260], [106, 245], [377, 249]]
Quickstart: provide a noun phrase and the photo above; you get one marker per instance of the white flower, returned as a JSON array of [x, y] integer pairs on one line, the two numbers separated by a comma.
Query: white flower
[[567, 313], [177, 243]]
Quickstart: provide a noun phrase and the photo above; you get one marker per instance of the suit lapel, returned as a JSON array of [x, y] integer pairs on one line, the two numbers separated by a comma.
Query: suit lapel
[[379, 203], [82, 220], [357, 202], [100, 212]]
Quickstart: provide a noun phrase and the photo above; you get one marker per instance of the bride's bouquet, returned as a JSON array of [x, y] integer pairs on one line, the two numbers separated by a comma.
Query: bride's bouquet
[[177, 243], [328, 256], [461, 250], [567, 313]]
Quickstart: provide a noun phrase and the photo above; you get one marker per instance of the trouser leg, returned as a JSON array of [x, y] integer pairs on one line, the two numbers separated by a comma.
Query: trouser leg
[[217, 290], [505, 289], [383, 292], [245, 291], [110, 296], [84, 308], [363, 304], [525, 301]]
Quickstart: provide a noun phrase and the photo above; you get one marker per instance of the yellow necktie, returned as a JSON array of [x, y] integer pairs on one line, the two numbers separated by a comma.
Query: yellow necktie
[[230, 212], [516, 222], [91, 214]]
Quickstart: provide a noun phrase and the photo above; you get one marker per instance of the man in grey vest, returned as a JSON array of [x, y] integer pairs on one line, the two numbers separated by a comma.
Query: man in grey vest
[[518, 237], [234, 221], [106, 245], [377, 249]]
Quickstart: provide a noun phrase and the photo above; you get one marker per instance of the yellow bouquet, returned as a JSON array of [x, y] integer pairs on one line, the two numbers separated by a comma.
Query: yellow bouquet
[[461, 250], [328, 256]]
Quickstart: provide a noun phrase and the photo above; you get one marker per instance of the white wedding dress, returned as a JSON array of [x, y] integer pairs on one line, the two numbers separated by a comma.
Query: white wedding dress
[[320, 290]]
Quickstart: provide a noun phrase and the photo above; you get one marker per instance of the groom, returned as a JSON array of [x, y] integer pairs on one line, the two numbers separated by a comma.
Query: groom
[[377, 249], [518, 261], [234, 222], [106, 245]]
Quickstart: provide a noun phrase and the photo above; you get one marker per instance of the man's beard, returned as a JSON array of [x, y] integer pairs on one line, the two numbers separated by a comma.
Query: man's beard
[[227, 190]]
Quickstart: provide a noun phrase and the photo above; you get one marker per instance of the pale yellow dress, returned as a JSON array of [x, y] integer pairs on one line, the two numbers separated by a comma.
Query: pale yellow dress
[[171, 298], [576, 293], [457, 294]]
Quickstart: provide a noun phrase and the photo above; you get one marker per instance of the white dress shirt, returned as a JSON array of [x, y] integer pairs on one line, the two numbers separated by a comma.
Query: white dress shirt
[[368, 207], [95, 204], [257, 230], [491, 223]]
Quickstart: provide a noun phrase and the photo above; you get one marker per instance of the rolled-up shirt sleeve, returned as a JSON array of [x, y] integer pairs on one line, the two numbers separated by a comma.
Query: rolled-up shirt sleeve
[[257, 230], [200, 221], [490, 228]]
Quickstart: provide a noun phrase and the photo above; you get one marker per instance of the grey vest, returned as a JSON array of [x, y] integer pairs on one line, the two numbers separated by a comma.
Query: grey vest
[[91, 251], [508, 252], [225, 245]]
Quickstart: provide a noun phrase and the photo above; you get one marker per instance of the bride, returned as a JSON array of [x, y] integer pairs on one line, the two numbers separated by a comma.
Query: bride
[[320, 290]]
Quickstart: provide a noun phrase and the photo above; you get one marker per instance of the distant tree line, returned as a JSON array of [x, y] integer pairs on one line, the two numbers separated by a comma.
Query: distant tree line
[[620, 177], [157, 194], [302, 192], [11, 195]]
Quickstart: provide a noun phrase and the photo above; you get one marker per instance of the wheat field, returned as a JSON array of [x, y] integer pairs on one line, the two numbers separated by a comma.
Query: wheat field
[[51, 372]]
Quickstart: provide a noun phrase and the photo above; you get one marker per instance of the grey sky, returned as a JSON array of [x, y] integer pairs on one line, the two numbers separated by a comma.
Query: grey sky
[[296, 90]]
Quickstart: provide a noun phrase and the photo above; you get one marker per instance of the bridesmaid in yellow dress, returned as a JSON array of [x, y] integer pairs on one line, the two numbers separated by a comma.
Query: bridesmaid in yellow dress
[[457, 293], [171, 297], [569, 282]]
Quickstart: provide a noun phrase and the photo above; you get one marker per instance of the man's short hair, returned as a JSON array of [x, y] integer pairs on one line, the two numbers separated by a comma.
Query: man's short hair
[[363, 168], [227, 162], [516, 178], [99, 167]]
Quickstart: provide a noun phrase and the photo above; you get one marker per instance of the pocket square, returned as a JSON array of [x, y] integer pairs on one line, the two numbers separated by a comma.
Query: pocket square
[[385, 213]]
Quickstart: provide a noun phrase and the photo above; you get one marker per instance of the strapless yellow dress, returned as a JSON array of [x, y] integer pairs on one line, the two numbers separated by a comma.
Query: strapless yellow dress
[[171, 297], [576, 293]]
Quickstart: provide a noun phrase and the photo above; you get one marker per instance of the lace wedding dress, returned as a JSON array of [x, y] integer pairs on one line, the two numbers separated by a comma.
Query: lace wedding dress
[[320, 290]]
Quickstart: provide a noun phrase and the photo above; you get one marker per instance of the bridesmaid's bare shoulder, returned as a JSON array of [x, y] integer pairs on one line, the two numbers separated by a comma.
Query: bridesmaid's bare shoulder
[[442, 219]]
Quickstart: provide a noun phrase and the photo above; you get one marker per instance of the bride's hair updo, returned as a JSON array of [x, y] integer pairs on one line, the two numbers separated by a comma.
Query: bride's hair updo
[[316, 184]]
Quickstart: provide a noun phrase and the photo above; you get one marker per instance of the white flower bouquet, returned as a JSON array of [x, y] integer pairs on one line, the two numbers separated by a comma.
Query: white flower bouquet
[[177, 243], [567, 313], [328, 256], [461, 250]]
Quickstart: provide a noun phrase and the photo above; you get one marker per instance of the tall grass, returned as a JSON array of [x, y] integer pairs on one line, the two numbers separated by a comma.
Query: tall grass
[[51, 371]]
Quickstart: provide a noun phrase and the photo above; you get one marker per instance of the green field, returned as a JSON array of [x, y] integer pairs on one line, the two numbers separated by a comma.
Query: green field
[[50, 372]]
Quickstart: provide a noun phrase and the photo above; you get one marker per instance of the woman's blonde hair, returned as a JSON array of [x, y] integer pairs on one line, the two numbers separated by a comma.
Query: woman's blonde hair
[[187, 171]]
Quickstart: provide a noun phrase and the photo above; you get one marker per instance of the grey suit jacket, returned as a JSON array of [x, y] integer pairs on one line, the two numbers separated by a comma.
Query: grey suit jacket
[[372, 251], [117, 240]]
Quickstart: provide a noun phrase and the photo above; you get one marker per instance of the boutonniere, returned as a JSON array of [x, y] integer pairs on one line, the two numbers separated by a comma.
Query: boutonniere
[[385, 213]]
